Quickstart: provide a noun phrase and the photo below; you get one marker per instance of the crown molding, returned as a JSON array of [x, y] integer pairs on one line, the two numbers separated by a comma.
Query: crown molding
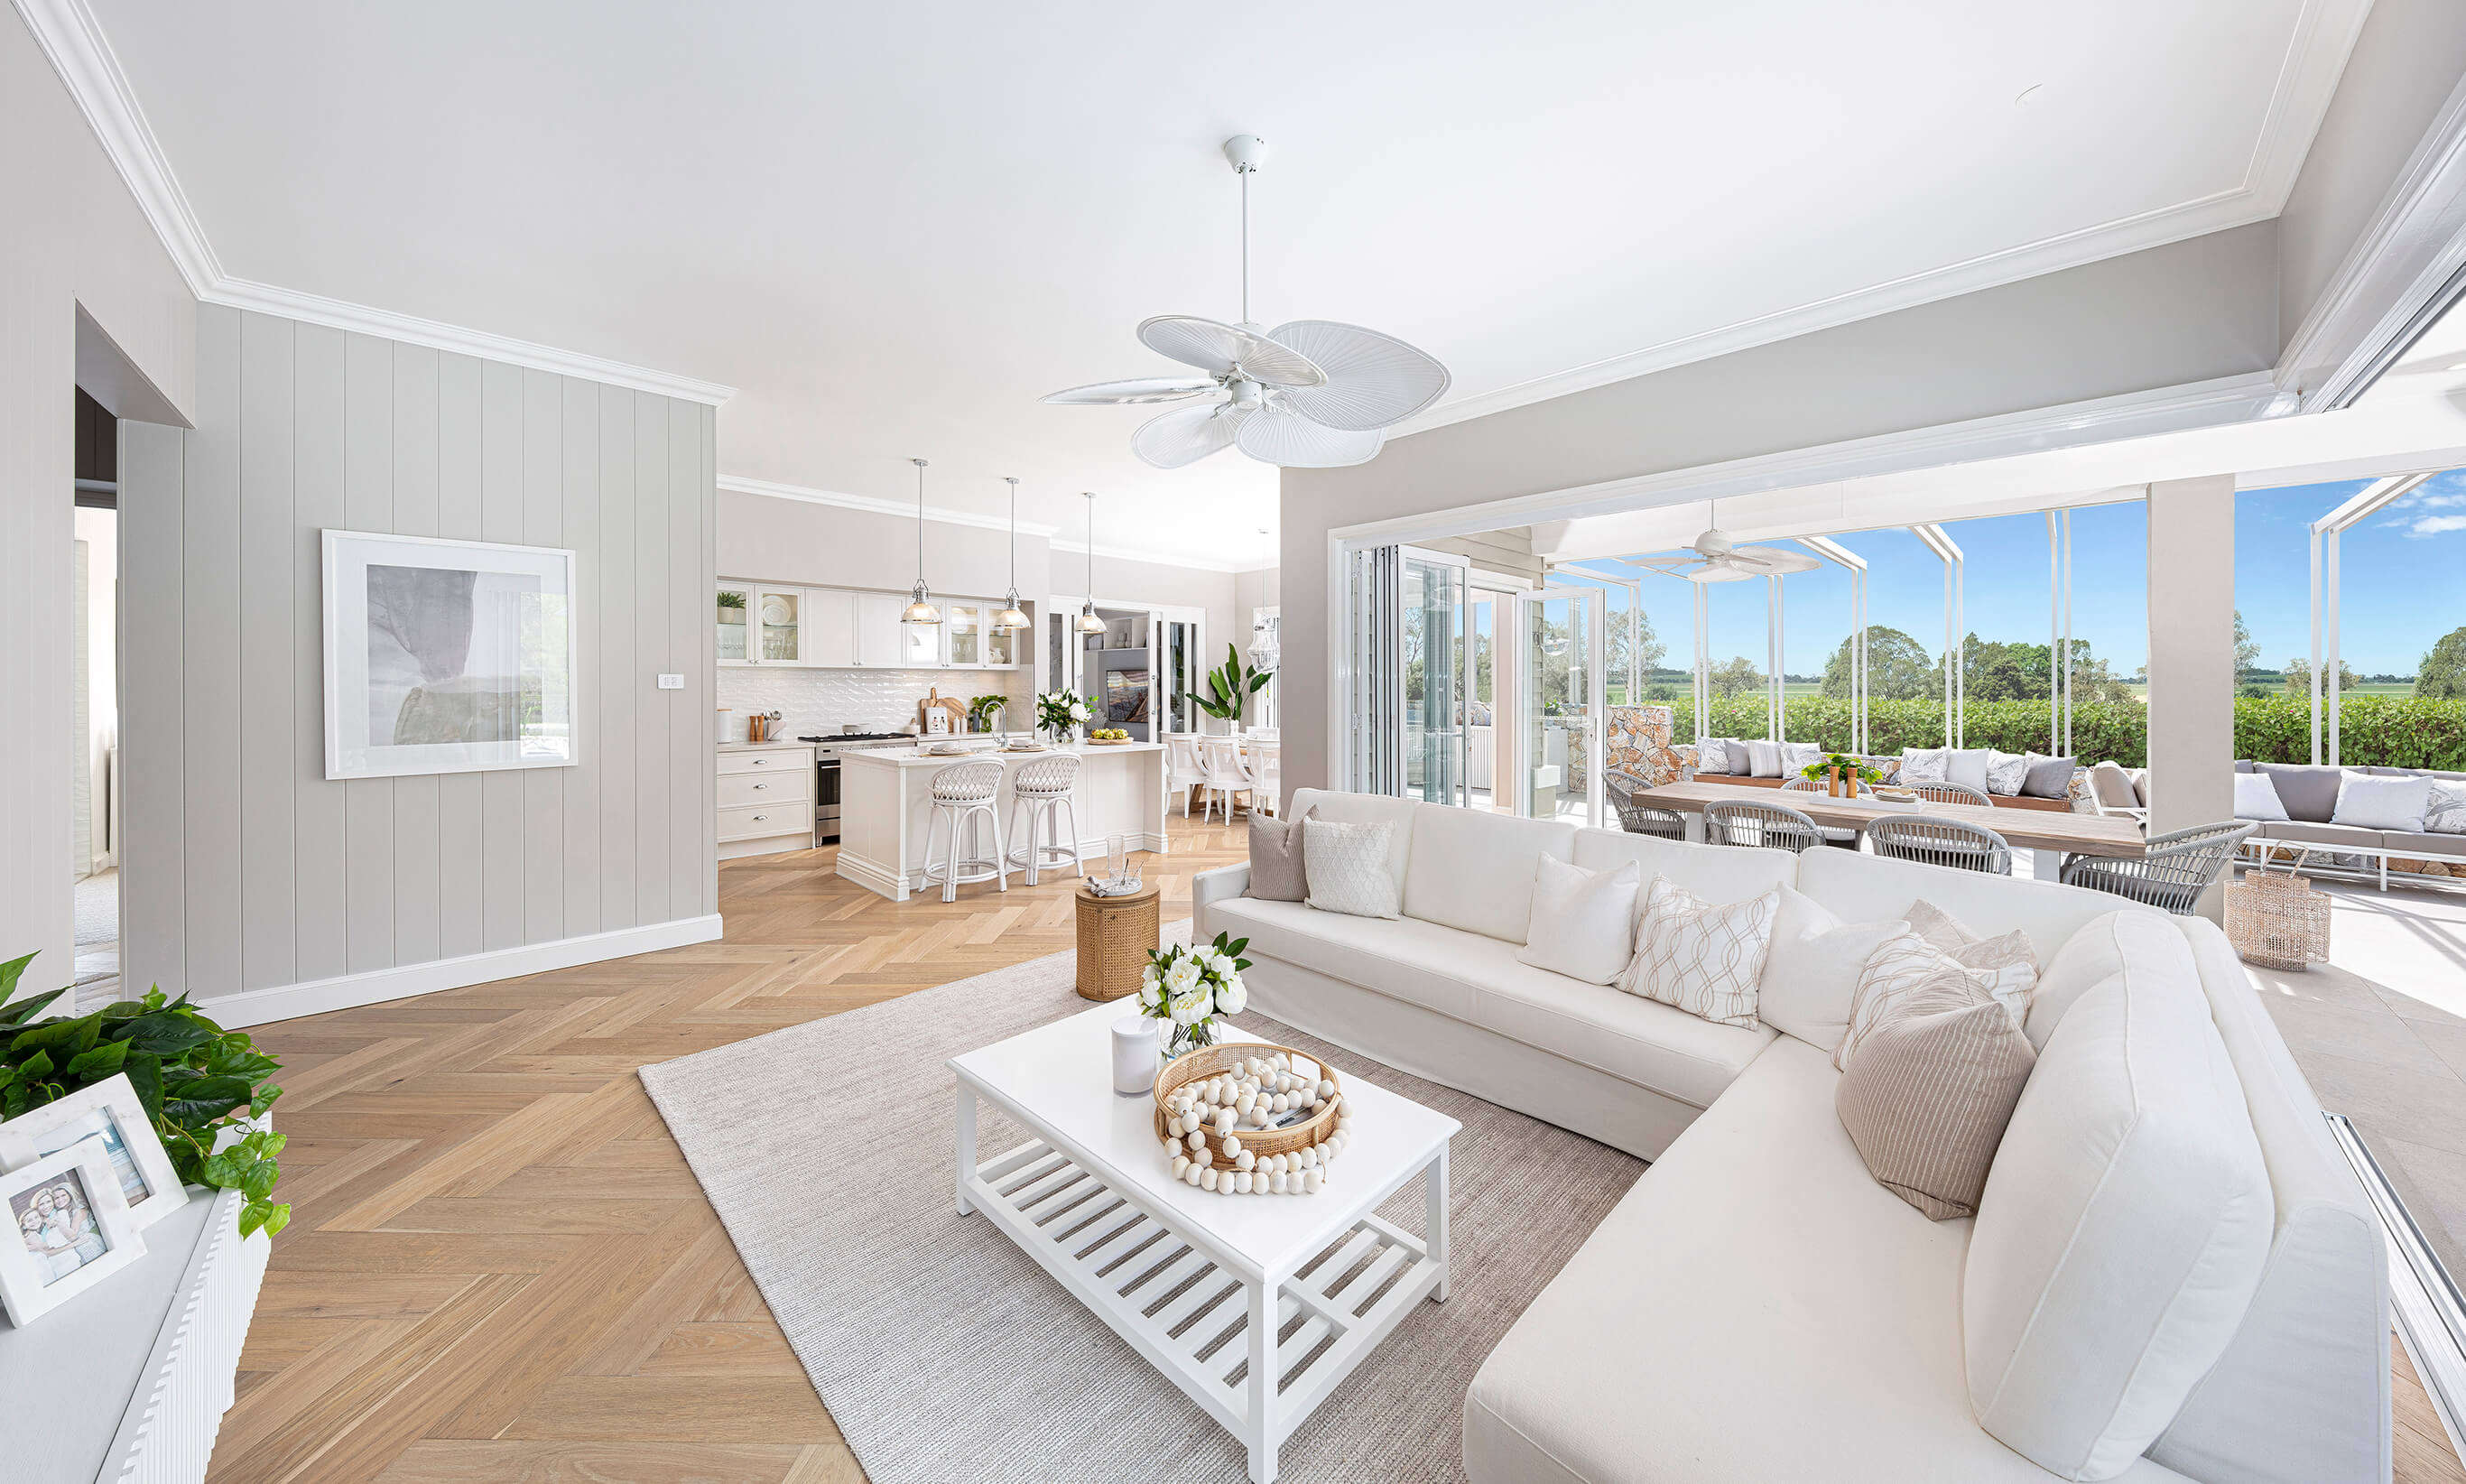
[[903, 510], [73, 41], [2325, 35], [1156, 558]]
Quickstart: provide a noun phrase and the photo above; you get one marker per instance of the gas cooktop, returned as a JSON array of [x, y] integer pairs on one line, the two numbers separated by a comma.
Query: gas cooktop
[[859, 736]]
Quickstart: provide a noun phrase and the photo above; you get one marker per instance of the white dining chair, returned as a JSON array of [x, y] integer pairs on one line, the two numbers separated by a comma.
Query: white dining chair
[[1183, 769], [1222, 773], [1267, 776]]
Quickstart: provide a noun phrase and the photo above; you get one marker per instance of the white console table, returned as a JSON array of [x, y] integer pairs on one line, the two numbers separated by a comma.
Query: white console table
[[128, 1383]]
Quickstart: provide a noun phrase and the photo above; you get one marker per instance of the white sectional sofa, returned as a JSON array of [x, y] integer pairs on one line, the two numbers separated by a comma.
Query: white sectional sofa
[[2182, 1281]]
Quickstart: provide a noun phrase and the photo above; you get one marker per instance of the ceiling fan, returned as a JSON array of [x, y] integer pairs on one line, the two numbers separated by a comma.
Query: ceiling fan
[[1718, 560], [1308, 395]]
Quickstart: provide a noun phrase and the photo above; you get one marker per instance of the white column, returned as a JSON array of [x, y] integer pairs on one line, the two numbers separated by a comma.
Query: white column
[[2192, 656]]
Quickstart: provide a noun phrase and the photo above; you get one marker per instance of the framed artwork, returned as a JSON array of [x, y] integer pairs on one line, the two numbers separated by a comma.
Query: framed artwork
[[69, 1230], [447, 655], [109, 1113]]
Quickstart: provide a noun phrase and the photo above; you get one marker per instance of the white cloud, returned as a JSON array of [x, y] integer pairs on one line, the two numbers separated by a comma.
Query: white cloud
[[2434, 525]]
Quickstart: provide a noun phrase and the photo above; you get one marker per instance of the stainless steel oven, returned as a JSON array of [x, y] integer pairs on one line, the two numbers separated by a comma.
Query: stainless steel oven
[[826, 779]]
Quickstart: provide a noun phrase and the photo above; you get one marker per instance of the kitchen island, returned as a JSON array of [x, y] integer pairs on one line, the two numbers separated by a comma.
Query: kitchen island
[[887, 804]]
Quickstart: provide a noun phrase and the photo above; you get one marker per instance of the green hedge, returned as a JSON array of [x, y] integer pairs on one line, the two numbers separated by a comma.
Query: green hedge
[[2390, 732]]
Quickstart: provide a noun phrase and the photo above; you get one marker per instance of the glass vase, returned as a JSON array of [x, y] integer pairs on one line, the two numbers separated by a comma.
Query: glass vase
[[1184, 1040]]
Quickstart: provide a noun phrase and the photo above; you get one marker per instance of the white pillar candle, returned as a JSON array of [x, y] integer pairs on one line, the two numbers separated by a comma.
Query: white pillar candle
[[1135, 1055]]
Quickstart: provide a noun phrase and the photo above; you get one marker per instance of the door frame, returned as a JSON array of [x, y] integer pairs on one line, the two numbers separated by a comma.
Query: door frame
[[1596, 694]]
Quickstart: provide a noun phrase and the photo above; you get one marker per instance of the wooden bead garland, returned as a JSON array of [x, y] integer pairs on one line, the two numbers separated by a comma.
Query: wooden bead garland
[[1217, 1112]]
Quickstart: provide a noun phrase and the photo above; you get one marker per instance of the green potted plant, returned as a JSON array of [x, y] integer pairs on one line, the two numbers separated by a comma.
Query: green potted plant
[[980, 711], [1832, 769], [1230, 687], [205, 1087]]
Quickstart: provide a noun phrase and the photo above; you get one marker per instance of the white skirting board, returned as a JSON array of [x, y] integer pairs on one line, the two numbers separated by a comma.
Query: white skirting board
[[257, 1006]]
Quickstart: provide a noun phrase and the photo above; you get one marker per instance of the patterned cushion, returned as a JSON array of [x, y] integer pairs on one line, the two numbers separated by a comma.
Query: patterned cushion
[[1347, 868], [2006, 968], [2446, 815], [1924, 764], [1703, 959], [2007, 772], [1906, 975], [1796, 757], [1928, 1098], [1763, 759]]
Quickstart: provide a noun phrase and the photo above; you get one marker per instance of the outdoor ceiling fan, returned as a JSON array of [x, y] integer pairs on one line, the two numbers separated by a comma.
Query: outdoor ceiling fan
[[1308, 395], [1718, 559]]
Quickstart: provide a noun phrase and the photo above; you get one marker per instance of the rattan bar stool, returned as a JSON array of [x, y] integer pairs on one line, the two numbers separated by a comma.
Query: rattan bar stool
[[963, 794], [1039, 796]]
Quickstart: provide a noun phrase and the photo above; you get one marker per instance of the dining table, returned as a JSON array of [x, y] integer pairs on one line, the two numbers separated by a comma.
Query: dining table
[[2048, 834]]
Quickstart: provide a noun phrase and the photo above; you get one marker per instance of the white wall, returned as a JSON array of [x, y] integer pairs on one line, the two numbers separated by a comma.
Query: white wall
[[2187, 312], [1259, 588], [775, 539], [72, 235], [246, 869]]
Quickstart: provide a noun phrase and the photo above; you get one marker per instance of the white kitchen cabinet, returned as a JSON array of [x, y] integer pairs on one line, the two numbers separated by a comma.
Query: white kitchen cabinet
[[830, 626], [920, 644], [735, 601], [963, 635], [879, 641]]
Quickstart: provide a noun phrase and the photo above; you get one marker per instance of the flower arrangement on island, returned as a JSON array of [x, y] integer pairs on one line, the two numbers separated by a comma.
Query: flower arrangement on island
[[1057, 712], [1189, 987]]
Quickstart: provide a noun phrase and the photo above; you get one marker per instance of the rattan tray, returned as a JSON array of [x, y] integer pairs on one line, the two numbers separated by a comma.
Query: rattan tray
[[1207, 1061]]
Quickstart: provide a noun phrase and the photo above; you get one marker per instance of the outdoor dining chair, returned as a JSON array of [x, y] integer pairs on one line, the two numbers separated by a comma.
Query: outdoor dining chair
[[1773, 827], [2178, 868], [1935, 841]]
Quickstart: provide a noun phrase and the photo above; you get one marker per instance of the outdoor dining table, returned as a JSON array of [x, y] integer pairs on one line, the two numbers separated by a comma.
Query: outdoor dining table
[[2048, 835]]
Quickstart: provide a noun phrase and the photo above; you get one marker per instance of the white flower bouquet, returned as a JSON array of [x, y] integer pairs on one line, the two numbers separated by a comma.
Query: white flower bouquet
[[1057, 712], [1190, 987]]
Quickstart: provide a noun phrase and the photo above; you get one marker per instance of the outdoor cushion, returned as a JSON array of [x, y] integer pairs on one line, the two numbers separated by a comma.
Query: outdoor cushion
[[1763, 759], [2352, 837], [1966, 765], [2447, 813], [1924, 764], [2007, 772], [2383, 802], [2243, 765], [2113, 786], [2309, 794], [2445, 844], [2048, 778], [2255, 798]]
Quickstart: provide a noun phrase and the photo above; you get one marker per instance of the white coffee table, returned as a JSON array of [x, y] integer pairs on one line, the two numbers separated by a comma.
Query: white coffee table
[[1195, 1281]]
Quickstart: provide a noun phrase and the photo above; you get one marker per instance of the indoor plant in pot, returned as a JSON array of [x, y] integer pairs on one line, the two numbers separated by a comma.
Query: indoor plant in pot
[[1229, 688]]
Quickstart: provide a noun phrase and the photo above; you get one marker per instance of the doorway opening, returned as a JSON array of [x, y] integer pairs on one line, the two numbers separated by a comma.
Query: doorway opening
[[94, 780]]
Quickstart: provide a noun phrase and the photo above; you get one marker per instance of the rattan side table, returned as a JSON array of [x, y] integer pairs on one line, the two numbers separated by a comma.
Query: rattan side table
[[1116, 933]]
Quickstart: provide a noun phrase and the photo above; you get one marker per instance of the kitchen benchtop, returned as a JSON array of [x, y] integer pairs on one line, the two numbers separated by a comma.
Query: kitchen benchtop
[[763, 747], [909, 758]]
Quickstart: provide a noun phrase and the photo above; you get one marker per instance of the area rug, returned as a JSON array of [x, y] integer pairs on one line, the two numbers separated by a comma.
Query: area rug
[[945, 1353]]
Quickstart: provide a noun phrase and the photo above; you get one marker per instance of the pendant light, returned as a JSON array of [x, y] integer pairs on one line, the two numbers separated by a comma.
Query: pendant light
[[920, 598], [1088, 622], [1011, 620]]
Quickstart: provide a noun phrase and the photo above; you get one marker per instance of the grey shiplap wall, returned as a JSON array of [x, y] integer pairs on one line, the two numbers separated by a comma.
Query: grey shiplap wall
[[246, 869]]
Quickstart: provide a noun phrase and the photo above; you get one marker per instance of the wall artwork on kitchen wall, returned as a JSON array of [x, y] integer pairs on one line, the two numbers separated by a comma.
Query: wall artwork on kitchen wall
[[446, 656]]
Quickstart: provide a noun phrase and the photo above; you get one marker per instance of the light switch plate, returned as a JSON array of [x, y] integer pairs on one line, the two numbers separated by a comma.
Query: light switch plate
[[672, 682]]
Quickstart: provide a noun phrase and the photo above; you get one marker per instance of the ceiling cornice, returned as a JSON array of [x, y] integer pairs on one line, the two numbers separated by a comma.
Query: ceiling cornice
[[2325, 35], [71, 37]]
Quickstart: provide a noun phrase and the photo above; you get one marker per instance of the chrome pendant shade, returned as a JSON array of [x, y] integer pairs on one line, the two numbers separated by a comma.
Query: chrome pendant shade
[[920, 604], [1087, 623], [1011, 618]]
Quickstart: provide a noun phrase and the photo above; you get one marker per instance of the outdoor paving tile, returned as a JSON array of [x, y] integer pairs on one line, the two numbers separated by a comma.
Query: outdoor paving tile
[[2376, 1035], [2416, 1106], [2447, 1038], [2432, 1184]]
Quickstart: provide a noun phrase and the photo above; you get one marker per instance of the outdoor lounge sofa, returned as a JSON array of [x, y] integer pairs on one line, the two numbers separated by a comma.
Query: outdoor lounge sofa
[[1757, 1308], [2310, 796]]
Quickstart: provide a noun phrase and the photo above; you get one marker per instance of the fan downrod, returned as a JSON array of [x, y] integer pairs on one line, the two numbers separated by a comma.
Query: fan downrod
[[1245, 152]]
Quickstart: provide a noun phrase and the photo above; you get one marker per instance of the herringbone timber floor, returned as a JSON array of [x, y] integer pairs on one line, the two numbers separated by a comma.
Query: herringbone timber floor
[[500, 1268]]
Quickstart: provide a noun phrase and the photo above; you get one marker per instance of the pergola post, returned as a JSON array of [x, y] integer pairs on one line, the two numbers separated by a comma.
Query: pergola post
[[1956, 683], [2327, 669], [1841, 556]]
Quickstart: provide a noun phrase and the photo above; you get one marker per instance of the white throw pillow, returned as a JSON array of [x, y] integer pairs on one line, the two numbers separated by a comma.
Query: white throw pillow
[[2257, 797], [2372, 800], [2006, 772], [1712, 756], [1811, 972], [1346, 866], [1924, 764], [2006, 967], [2446, 814], [1763, 759], [1966, 765], [1796, 757], [2123, 1231], [1701, 958], [1583, 922]]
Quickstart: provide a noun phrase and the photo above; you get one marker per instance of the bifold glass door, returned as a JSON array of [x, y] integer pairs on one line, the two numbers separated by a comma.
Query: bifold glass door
[[1432, 630], [1559, 701]]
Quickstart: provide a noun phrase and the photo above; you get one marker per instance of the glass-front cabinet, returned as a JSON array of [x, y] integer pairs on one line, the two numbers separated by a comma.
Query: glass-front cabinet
[[920, 645], [838, 628], [963, 626], [779, 621], [1004, 648], [735, 603]]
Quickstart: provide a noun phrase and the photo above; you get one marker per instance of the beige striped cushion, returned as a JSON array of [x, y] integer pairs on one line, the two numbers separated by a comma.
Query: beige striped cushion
[[1927, 1099]]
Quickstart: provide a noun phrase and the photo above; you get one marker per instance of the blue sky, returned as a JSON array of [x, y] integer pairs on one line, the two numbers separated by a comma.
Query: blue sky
[[2406, 583]]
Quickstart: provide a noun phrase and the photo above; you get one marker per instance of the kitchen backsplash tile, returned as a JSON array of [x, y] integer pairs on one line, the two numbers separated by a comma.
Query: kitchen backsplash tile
[[811, 702]]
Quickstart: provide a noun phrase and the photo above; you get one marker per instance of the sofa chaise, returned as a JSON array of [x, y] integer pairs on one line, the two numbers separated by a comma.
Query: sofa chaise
[[1757, 1308]]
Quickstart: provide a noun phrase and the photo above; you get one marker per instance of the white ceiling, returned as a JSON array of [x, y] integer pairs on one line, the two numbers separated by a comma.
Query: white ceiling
[[894, 226]]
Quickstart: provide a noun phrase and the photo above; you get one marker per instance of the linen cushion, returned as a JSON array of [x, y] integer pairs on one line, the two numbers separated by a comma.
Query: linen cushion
[[1796, 757], [1812, 973], [1966, 765], [1763, 759], [1701, 958], [2113, 786], [1924, 764], [2445, 813], [2123, 1231], [1583, 922], [1927, 1100], [2006, 965], [1712, 756], [1364, 809], [2007, 772], [1346, 866], [2257, 797], [1905, 975], [1277, 873], [2309, 794], [2371, 802], [1472, 869], [2048, 777]]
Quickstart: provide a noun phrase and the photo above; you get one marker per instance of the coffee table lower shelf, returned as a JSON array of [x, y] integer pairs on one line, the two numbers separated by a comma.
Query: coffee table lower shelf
[[1190, 1312]]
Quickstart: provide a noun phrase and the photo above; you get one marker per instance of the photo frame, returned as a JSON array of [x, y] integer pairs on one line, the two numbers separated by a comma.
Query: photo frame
[[444, 656], [111, 1113], [68, 1230]]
